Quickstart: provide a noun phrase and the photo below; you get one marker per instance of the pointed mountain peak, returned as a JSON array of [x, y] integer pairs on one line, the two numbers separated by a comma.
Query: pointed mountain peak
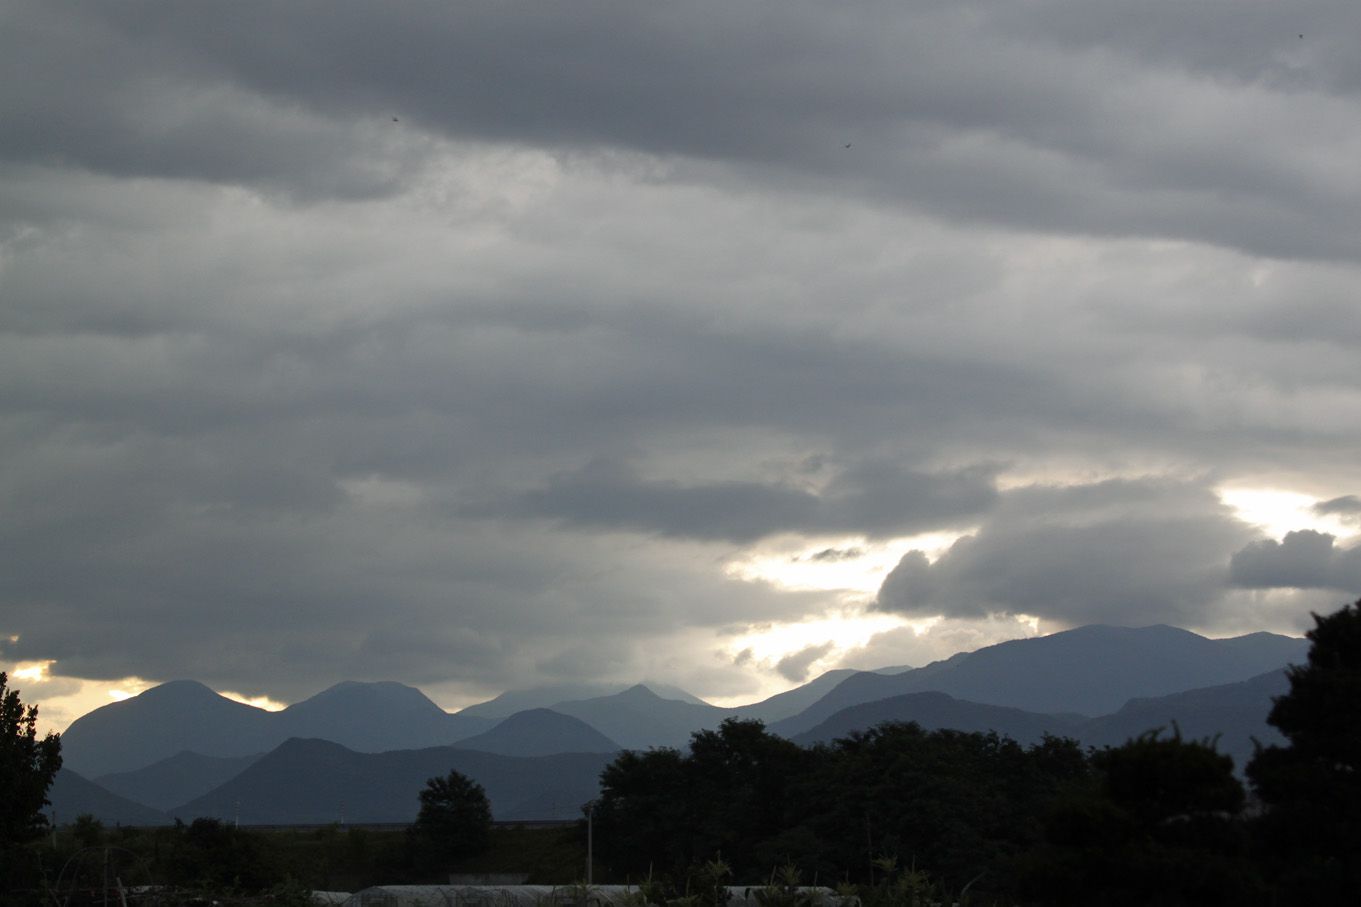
[[179, 689], [638, 693]]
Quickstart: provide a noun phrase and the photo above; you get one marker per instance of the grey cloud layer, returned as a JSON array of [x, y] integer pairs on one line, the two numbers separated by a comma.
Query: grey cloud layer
[[1305, 559], [1347, 508], [290, 387], [974, 110], [873, 499], [1146, 551]]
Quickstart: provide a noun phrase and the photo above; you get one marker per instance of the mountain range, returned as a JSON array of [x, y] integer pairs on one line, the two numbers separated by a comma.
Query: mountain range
[[1087, 671], [186, 715], [181, 750]]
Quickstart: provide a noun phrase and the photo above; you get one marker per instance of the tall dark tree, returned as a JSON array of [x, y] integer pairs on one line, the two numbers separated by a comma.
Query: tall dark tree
[[454, 820], [670, 812], [742, 775], [956, 804], [644, 817], [27, 767], [1311, 787], [1155, 823]]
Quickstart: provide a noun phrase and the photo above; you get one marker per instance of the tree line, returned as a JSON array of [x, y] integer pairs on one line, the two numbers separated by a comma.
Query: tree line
[[975, 816]]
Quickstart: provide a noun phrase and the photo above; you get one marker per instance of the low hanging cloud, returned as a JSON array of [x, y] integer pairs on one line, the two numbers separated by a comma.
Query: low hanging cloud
[[1305, 559], [796, 665], [876, 499], [1128, 552], [1346, 508], [835, 555]]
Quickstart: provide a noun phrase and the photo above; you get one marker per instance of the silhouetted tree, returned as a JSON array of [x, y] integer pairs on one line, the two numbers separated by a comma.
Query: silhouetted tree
[[27, 767], [1311, 787], [1155, 823], [952, 803], [643, 819], [213, 856], [454, 820], [674, 813], [741, 775]]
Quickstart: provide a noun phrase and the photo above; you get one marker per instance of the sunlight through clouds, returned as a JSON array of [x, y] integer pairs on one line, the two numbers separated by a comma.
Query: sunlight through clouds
[[850, 564], [260, 702], [1278, 512]]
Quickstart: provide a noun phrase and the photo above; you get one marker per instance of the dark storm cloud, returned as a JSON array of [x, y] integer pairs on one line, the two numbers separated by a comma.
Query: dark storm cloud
[[957, 108], [1119, 552], [1304, 559], [874, 499]]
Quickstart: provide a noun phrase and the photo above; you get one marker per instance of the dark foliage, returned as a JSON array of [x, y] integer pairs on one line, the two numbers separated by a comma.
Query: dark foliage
[[1157, 822], [27, 767], [667, 812], [454, 821], [960, 803], [211, 855], [1310, 834]]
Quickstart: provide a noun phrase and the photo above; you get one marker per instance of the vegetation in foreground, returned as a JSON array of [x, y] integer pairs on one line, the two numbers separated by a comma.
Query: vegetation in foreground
[[897, 816]]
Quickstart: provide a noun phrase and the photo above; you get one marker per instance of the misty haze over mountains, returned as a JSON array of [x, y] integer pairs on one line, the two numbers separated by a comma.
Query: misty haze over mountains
[[360, 752]]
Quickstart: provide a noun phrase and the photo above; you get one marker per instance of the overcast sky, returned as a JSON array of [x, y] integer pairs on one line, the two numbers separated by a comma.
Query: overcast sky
[[487, 345]]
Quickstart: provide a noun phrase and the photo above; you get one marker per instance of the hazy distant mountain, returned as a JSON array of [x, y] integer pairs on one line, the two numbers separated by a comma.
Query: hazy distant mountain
[[791, 702], [173, 781], [1235, 713], [540, 732], [940, 710], [316, 781], [1232, 714], [186, 715], [513, 701], [1091, 670], [638, 718], [372, 717], [164, 720], [73, 795]]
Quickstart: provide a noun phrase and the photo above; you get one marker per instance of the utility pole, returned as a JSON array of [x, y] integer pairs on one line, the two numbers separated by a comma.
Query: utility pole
[[590, 840]]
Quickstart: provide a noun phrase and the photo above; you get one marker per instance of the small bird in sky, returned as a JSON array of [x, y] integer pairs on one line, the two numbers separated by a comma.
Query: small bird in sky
[[394, 119], [848, 144]]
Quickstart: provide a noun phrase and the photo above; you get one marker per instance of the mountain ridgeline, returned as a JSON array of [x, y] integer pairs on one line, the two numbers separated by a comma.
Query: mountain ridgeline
[[186, 715], [360, 752]]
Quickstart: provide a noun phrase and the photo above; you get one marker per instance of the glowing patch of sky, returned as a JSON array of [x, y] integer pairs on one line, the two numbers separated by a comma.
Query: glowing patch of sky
[[845, 630], [1277, 511], [60, 699], [260, 702], [850, 564]]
